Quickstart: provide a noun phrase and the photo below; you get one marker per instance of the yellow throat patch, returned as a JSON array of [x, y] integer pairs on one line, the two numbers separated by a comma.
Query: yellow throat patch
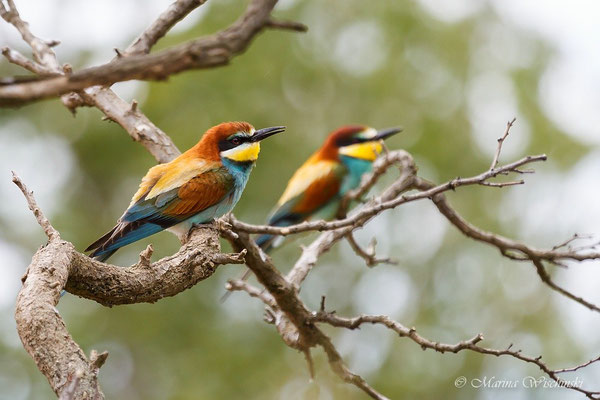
[[243, 153], [364, 151]]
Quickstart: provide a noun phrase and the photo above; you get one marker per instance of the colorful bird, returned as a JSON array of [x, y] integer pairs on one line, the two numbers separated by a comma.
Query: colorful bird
[[316, 189], [203, 183]]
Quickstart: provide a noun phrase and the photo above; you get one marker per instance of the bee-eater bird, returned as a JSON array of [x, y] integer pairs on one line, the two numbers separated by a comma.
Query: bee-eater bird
[[203, 183], [317, 188]]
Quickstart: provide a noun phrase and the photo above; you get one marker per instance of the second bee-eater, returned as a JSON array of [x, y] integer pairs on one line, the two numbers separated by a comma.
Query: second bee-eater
[[203, 183], [317, 188]]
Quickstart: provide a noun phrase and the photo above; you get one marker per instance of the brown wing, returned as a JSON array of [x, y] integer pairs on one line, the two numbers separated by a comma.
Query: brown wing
[[200, 193]]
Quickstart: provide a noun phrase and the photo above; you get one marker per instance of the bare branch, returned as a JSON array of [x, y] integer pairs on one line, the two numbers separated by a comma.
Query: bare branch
[[211, 51], [368, 212], [502, 184], [501, 140], [37, 212], [233, 258], [292, 319], [55, 353], [42, 52], [159, 28], [368, 254], [573, 238], [241, 285], [577, 367], [19, 59], [545, 277], [286, 25], [470, 344], [139, 127], [508, 246]]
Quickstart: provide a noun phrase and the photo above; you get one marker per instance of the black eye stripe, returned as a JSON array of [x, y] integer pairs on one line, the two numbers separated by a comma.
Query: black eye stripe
[[348, 141], [233, 141]]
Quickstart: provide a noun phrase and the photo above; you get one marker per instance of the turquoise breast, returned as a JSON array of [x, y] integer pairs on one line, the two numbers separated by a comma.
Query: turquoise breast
[[356, 169]]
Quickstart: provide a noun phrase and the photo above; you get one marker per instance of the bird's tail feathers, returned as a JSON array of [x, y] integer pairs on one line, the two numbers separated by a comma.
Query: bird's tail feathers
[[122, 234]]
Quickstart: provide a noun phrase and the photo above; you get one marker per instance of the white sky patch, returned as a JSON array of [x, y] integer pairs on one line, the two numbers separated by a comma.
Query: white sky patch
[[14, 264], [555, 204], [360, 48], [499, 46], [417, 232], [552, 207], [491, 102], [116, 374], [285, 4], [94, 26], [44, 163], [451, 10], [130, 90], [570, 90], [366, 349], [384, 291]]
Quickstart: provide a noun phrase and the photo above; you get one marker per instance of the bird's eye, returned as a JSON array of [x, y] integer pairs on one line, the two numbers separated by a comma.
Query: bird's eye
[[236, 141]]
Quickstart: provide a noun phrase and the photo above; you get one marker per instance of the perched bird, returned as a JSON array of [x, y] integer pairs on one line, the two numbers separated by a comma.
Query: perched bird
[[316, 189], [203, 183]]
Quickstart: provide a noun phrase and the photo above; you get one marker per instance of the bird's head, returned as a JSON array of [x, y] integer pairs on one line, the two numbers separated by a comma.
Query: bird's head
[[235, 141], [357, 141]]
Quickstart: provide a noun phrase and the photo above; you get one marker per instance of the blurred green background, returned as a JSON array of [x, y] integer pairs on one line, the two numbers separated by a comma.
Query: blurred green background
[[451, 73]]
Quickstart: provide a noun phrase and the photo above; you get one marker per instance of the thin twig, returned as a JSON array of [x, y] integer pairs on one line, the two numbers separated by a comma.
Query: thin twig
[[49, 230], [19, 59], [501, 140], [368, 254], [368, 212], [470, 344]]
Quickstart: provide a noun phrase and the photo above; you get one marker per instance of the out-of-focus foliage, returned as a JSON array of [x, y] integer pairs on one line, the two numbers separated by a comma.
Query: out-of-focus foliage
[[452, 85]]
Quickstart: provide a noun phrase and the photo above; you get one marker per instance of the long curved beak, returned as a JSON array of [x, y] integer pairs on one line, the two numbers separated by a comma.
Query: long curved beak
[[266, 132], [385, 133]]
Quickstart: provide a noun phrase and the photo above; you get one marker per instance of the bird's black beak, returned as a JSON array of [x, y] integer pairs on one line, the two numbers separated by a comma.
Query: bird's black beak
[[266, 132], [385, 133]]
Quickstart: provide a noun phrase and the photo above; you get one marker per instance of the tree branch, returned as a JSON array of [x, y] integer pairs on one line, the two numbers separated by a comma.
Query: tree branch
[[159, 28], [367, 212], [37, 212], [470, 344], [292, 318], [58, 265], [211, 51]]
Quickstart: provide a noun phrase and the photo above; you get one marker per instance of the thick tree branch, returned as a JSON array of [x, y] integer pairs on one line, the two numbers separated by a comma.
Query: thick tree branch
[[42, 330], [208, 52], [292, 318], [58, 265]]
